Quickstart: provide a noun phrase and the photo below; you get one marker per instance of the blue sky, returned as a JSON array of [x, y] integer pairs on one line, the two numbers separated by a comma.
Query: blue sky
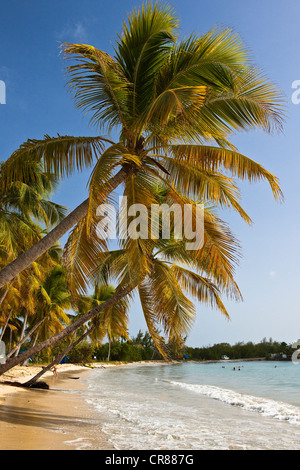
[[38, 103]]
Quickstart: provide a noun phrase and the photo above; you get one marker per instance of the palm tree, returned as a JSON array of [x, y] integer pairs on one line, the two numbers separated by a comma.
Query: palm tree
[[40, 301], [111, 322], [194, 93], [165, 274], [52, 301], [25, 204], [173, 103], [131, 266]]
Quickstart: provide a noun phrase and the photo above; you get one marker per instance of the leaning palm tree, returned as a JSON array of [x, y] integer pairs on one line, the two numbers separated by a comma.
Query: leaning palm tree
[[112, 322], [38, 300], [165, 292], [173, 104], [130, 267], [165, 275]]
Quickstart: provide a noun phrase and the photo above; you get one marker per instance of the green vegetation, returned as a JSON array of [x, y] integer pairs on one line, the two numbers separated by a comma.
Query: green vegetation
[[264, 349], [142, 348]]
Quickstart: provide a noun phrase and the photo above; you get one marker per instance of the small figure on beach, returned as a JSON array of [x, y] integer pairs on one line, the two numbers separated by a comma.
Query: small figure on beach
[[54, 370]]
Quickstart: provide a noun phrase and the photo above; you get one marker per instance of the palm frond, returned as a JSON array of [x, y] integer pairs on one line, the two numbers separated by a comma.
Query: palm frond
[[81, 257], [200, 287], [214, 159], [61, 155], [98, 84], [142, 49]]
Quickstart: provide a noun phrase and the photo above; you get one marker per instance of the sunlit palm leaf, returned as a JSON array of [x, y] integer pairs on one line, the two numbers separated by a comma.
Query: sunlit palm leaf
[[81, 257], [61, 155], [215, 159]]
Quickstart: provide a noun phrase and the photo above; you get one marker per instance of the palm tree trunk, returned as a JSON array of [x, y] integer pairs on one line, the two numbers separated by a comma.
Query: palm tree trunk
[[3, 296], [58, 358], [5, 326], [66, 332], [18, 346], [10, 338], [108, 356], [32, 254]]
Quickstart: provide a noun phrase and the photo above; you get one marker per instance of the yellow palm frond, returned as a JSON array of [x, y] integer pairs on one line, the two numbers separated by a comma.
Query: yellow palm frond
[[200, 287], [81, 257], [214, 159]]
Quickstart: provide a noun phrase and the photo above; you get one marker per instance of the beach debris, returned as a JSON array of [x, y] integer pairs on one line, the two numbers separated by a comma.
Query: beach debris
[[40, 384]]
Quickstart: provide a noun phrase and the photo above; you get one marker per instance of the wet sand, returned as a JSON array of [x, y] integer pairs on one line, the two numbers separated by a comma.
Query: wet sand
[[35, 419]]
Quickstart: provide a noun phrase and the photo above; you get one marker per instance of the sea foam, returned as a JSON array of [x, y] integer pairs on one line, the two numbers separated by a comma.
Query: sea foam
[[267, 407]]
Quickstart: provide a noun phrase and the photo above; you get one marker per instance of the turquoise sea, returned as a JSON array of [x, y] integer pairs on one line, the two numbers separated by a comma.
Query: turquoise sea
[[197, 405]]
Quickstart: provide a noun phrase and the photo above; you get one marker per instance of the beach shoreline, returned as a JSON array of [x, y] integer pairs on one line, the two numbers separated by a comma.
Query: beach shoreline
[[54, 419], [58, 418]]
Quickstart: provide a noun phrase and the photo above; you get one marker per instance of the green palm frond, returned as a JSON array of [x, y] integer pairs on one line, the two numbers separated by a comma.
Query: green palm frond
[[142, 49], [151, 318], [98, 84], [203, 185], [61, 155]]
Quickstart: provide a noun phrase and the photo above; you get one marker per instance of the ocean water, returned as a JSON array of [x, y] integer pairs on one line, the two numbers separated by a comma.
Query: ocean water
[[198, 406]]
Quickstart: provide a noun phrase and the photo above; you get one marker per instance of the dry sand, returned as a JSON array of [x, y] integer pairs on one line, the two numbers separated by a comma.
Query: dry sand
[[35, 419]]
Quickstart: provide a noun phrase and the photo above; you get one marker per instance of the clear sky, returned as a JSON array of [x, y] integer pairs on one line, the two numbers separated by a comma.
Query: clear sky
[[38, 103]]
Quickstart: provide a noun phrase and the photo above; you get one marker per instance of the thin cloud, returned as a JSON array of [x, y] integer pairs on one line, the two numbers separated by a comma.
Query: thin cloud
[[73, 33]]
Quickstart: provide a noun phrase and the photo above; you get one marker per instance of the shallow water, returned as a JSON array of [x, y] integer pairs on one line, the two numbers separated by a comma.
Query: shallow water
[[198, 406]]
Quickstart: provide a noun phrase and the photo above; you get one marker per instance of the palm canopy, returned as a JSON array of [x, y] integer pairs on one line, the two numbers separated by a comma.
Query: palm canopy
[[52, 300], [165, 275], [157, 91], [113, 321], [25, 205], [171, 276], [173, 104]]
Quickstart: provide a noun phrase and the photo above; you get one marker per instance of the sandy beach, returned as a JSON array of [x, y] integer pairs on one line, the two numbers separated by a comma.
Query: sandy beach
[[35, 419]]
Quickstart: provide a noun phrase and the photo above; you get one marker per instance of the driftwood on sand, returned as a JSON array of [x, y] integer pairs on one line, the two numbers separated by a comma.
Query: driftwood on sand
[[40, 384]]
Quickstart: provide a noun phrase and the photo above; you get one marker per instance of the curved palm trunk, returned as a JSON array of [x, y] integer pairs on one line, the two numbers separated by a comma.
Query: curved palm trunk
[[62, 334], [16, 350], [18, 346], [28, 257], [6, 324], [58, 358], [3, 296]]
